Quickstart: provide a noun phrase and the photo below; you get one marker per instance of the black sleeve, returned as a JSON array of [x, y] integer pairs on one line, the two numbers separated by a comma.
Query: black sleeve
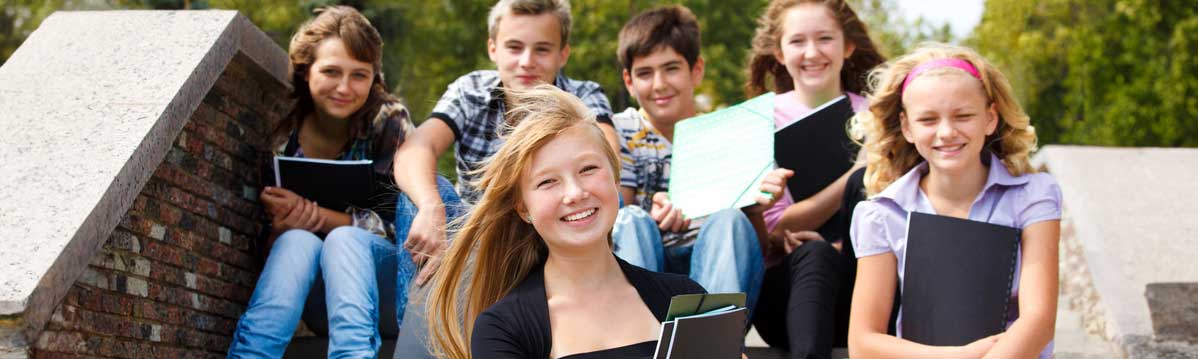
[[457, 132], [494, 337], [685, 285], [605, 118]]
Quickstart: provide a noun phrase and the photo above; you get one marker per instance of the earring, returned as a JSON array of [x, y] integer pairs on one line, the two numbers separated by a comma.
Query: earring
[[530, 219]]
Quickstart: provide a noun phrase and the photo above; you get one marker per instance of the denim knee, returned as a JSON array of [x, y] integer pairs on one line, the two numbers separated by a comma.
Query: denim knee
[[729, 224], [296, 246], [348, 237], [731, 217]]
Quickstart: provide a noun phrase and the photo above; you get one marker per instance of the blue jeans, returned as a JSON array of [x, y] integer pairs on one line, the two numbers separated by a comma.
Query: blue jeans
[[726, 256], [290, 287]]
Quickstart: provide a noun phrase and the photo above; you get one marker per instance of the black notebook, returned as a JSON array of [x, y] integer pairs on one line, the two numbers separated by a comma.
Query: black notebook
[[816, 148], [335, 185], [957, 279], [703, 326]]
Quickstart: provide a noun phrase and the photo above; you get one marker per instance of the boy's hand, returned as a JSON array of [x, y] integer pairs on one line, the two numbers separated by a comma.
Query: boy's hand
[[427, 241], [667, 217]]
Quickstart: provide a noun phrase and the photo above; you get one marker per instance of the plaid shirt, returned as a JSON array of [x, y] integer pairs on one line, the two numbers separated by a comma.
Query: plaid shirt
[[473, 107]]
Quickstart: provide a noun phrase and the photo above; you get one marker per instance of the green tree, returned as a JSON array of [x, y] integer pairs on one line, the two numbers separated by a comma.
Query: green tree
[[1099, 72]]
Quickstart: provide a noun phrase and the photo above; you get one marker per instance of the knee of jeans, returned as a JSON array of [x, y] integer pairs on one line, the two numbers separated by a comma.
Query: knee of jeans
[[730, 216], [346, 237], [633, 214], [297, 241]]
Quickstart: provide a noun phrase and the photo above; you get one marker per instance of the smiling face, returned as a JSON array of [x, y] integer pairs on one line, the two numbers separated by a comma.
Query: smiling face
[[569, 190], [338, 83], [528, 49], [813, 48], [664, 84], [947, 117]]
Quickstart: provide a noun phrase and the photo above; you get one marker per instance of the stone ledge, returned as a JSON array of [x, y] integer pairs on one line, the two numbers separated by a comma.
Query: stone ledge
[[1174, 308], [92, 104], [1130, 230]]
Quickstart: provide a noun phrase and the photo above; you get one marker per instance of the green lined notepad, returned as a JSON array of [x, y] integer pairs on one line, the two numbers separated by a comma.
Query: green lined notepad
[[720, 158]]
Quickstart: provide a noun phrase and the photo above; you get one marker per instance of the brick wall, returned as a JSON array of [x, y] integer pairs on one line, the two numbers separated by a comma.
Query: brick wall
[[177, 272]]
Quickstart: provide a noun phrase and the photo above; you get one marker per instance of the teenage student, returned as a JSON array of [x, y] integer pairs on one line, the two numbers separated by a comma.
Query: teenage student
[[529, 42], [809, 52], [945, 136], [534, 260], [342, 112], [659, 50]]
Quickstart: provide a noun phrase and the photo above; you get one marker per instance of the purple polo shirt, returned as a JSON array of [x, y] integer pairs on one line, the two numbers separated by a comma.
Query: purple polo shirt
[[880, 224]]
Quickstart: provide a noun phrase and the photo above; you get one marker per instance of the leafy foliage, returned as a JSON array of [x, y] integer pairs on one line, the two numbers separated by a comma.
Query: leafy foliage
[[1099, 72], [1105, 72]]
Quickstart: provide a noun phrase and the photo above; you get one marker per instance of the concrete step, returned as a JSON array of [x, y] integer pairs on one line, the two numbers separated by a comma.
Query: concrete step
[[318, 348]]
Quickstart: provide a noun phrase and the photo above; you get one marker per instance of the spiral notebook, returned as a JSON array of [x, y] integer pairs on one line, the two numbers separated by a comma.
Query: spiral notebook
[[957, 279]]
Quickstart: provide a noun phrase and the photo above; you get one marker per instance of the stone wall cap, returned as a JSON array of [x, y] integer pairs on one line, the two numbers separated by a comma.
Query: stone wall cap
[[89, 106]]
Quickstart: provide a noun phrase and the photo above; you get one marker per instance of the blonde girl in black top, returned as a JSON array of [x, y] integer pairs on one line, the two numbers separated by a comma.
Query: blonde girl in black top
[[534, 260]]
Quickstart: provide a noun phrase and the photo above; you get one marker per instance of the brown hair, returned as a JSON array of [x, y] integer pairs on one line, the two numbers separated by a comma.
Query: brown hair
[[362, 42], [888, 154], [763, 64], [495, 250], [560, 8], [672, 26]]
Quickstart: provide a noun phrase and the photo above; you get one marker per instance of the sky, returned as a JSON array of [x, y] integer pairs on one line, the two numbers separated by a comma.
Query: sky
[[961, 15]]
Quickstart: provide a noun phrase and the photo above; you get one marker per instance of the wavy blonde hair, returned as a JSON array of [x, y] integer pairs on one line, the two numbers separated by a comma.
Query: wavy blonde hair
[[495, 250], [890, 156]]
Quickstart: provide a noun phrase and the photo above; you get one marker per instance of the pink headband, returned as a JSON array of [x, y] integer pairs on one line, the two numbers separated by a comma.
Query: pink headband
[[938, 63]]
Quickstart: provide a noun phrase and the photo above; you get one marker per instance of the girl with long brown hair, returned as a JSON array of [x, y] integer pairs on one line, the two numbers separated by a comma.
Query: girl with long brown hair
[[809, 52], [342, 111]]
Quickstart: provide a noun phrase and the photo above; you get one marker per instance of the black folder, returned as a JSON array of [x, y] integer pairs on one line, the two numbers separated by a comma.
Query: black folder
[[335, 185], [817, 148], [957, 279], [703, 326]]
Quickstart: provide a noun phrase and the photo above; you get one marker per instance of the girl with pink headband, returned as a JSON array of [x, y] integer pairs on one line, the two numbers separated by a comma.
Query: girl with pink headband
[[944, 135]]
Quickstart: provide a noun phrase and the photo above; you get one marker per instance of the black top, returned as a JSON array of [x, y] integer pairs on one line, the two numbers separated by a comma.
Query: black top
[[642, 350], [518, 325]]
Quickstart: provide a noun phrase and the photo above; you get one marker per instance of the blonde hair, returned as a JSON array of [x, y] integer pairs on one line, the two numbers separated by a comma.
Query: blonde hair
[[495, 249], [763, 65], [559, 8], [890, 156]]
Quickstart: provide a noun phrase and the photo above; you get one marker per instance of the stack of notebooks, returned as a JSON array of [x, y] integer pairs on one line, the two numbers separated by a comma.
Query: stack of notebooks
[[957, 279], [704, 326]]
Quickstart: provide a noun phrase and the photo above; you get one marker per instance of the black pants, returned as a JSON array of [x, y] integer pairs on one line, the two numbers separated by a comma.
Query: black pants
[[804, 302]]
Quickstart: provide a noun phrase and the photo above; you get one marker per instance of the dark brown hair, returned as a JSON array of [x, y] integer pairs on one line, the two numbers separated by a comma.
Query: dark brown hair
[[362, 42], [672, 26], [763, 65]]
